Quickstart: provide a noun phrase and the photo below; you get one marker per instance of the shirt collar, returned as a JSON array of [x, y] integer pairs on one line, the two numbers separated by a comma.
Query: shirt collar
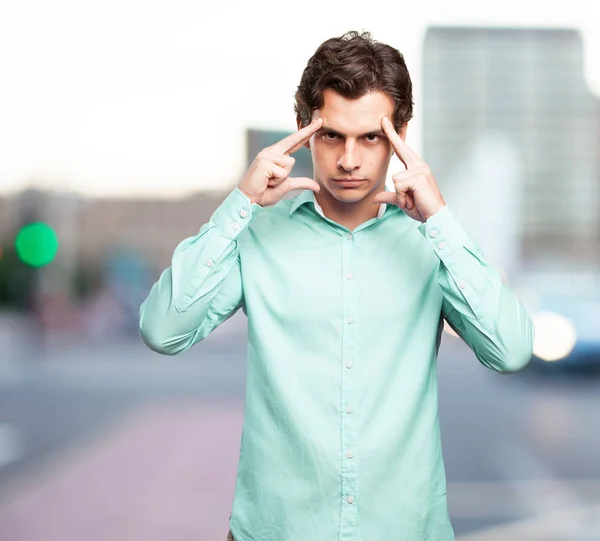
[[308, 196]]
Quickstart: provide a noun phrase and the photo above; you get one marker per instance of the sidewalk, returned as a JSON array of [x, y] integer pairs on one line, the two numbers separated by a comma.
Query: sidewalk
[[164, 473]]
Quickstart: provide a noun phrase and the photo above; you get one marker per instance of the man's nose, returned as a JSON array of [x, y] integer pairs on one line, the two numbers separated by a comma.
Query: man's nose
[[350, 159]]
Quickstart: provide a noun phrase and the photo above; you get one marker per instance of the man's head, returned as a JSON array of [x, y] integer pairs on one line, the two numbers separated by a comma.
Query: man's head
[[352, 82]]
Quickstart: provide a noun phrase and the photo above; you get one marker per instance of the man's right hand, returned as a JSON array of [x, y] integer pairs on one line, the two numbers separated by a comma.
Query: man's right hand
[[267, 180]]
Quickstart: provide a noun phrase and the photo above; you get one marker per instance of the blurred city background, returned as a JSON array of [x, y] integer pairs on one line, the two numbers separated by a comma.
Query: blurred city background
[[122, 128]]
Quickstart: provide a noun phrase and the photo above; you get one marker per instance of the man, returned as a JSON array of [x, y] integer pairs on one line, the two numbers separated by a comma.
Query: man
[[345, 287]]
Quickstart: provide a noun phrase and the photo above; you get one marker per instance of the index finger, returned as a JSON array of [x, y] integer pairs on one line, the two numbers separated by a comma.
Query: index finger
[[294, 142], [403, 151]]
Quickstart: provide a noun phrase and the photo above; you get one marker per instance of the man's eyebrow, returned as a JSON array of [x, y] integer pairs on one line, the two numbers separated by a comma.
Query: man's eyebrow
[[324, 129], [378, 132], [375, 132]]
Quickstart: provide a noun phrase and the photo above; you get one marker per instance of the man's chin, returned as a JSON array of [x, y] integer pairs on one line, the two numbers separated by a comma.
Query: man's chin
[[349, 195]]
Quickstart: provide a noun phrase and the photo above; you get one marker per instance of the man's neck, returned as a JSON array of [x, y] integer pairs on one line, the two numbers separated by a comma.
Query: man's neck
[[350, 215]]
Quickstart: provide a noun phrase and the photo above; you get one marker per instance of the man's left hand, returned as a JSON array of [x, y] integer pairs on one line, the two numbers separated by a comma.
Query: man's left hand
[[417, 192]]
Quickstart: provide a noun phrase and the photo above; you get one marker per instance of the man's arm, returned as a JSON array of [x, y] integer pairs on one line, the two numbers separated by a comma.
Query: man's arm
[[477, 304], [203, 286], [481, 309]]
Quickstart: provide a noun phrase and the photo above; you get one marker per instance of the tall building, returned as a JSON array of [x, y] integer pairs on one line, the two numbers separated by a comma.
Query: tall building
[[511, 132]]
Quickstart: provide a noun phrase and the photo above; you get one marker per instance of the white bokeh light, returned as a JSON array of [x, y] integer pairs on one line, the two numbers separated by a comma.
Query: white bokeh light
[[555, 336]]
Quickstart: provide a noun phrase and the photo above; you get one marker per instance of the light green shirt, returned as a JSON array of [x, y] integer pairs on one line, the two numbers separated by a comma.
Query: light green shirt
[[340, 439]]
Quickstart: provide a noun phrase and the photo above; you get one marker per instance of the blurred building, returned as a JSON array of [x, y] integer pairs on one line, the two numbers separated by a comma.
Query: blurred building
[[110, 253], [90, 230], [7, 216], [511, 132], [151, 227]]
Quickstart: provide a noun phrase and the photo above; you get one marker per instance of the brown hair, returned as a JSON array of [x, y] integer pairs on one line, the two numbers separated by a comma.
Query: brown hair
[[353, 65]]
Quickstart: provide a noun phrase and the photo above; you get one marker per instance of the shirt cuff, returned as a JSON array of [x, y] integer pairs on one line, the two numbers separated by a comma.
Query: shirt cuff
[[234, 213], [444, 233]]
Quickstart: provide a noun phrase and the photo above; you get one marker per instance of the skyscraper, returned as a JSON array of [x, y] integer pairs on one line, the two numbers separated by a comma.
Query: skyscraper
[[511, 132]]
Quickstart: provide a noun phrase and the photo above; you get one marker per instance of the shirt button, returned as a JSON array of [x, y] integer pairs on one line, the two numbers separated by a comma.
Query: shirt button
[[433, 233], [209, 262], [349, 236], [350, 499], [235, 225], [349, 409], [349, 454], [349, 276], [243, 213], [350, 319], [462, 284], [349, 363], [442, 245]]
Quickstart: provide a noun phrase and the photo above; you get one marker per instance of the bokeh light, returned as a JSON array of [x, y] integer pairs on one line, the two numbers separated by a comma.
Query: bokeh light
[[555, 336], [36, 244]]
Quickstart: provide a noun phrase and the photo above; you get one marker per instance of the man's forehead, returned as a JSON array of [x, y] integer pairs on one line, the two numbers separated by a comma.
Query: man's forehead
[[354, 116], [350, 124]]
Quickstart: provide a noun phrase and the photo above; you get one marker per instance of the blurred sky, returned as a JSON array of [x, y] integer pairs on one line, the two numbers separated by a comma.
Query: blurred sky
[[139, 97]]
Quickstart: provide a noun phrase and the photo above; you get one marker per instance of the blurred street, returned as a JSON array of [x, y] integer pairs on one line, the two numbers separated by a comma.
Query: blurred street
[[116, 442]]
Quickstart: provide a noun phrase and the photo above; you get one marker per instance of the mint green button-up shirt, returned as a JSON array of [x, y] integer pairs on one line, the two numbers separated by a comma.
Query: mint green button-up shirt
[[340, 437]]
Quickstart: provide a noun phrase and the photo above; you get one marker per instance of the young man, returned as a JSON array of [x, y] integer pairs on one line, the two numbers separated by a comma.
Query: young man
[[345, 287]]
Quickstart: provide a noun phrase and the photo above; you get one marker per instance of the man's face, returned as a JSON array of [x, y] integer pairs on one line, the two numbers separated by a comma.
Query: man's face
[[350, 152]]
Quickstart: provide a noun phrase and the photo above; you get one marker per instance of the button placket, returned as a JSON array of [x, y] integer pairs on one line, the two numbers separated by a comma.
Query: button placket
[[350, 326]]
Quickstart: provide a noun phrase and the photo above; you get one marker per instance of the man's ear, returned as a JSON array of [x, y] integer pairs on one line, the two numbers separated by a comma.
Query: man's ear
[[300, 126]]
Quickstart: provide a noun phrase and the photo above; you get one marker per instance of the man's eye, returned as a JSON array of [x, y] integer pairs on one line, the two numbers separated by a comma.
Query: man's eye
[[372, 138], [329, 136]]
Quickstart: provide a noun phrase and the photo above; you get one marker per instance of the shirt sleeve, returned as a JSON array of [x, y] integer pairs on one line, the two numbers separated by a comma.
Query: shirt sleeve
[[476, 303], [203, 286]]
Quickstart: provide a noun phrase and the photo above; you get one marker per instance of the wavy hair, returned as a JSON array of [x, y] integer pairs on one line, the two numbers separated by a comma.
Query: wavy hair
[[353, 65]]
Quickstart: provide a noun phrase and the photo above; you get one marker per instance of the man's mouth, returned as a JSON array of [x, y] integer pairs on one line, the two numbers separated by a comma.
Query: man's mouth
[[348, 182]]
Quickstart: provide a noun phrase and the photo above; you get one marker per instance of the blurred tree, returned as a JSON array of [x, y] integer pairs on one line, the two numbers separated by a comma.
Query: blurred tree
[[17, 280]]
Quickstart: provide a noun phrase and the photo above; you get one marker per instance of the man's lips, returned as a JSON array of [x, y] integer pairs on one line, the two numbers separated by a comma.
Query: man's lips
[[348, 181]]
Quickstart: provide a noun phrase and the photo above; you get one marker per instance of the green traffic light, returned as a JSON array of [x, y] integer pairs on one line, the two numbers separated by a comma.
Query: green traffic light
[[36, 244]]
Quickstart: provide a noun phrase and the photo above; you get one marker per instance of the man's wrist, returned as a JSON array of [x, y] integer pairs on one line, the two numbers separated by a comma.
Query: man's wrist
[[440, 208], [251, 199]]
